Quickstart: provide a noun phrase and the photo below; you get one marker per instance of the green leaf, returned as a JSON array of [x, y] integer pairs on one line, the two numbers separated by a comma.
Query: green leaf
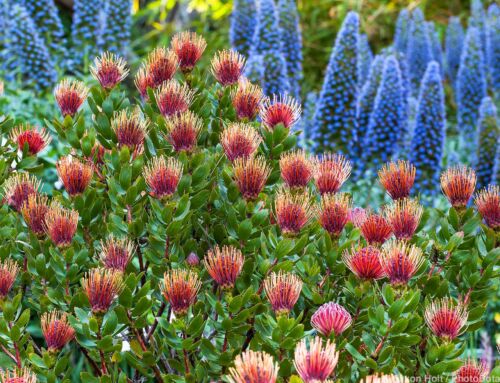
[[355, 353]]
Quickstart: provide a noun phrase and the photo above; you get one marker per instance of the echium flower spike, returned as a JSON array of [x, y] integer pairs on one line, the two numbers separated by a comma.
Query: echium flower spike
[[8, 274], [401, 261], [365, 59], [102, 287], [240, 140], [74, 174], [189, 47], [331, 318], [281, 109], [316, 362], [109, 70], [61, 224], [173, 98], [458, 184], [86, 30], [183, 130], [293, 211], [453, 48], [36, 139], [224, 265], [33, 211], [18, 187], [437, 50], [493, 45], [333, 212], [23, 375], [180, 288], [251, 175], [471, 371], [282, 290], [446, 318], [116, 34], [253, 366], [364, 262], [477, 20], [162, 175], [56, 330], [246, 100], [488, 204], [70, 95], [297, 168], [227, 67], [116, 253], [243, 25], [489, 138], [404, 217], [401, 33], [397, 178], [332, 170]]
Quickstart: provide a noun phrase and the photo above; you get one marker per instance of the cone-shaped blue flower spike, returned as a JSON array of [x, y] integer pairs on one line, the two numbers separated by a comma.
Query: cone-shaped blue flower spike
[[489, 135]]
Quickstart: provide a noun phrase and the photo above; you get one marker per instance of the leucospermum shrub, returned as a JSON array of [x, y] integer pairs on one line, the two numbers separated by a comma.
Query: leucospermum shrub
[[185, 240]]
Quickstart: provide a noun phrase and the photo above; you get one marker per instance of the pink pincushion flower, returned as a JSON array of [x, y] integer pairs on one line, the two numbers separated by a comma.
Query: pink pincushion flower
[[246, 100], [458, 184], [471, 372], [70, 95], [282, 290], [162, 175], [253, 367], [109, 70], [35, 138], [173, 98], [18, 188], [281, 109], [445, 318], [364, 262], [332, 170], [401, 261], [331, 318], [240, 140], [315, 363], [403, 217], [251, 175], [488, 205], [56, 330], [8, 273], [188, 46], [333, 212], [227, 67], [292, 211], [224, 265], [297, 169]]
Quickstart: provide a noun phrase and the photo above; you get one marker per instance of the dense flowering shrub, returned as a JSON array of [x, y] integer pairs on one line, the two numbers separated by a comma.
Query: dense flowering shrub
[[453, 48], [243, 25], [118, 23], [493, 45], [489, 136]]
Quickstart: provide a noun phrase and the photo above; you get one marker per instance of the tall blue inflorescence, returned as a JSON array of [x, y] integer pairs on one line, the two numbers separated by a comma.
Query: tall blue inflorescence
[[116, 34], [291, 37], [365, 59], [471, 87], [430, 130], [335, 127], [88, 25], [437, 50], [496, 169], [419, 50], [307, 120], [477, 20], [493, 46], [489, 134], [453, 47], [243, 22], [401, 33]]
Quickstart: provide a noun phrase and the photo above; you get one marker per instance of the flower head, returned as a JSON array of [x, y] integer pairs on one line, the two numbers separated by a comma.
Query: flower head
[[35, 138], [188, 46], [70, 95], [74, 174], [281, 109], [251, 175], [239, 140], [192, 259], [445, 318], [56, 330], [102, 287], [18, 188], [130, 129], [143, 81], [8, 273], [364, 262], [297, 169], [33, 211], [227, 67], [17, 376], [375, 229], [332, 170], [246, 100], [397, 178], [255, 367], [116, 253], [162, 176], [282, 290], [224, 265], [293, 211], [180, 288], [488, 205], [401, 261], [316, 363], [471, 372], [404, 216], [357, 215], [458, 184], [331, 318], [173, 98], [333, 212], [61, 224], [183, 130], [160, 66], [109, 70]]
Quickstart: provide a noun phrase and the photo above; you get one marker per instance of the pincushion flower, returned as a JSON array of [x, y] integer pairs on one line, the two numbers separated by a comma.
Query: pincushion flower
[[224, 265], [183, 130], [102, 287], [109, 70], [162, 176], [70, 95], [8, 274], [17, 376], [34, 210], [401, 261], [446, 318], [333, 212], [161, 65], [188, 46], [471, 372], [227, 67], [297, 169], [18, 188], [357, 215], [180, 288], [56, 330], [375, 229], [192, 260], [61, 224], [315, 363], [282, 290], [74, 174], [331, 318], [246, 100], [488, 205], [173, 98], [397, 178], [143, 81], [364, 262], [281, 109], [404, 216], [458, 184], [255, 367], [332, 170], [36, 139], [240, 140], [251, 175], [292, 211], [130, 129], [116, 253]]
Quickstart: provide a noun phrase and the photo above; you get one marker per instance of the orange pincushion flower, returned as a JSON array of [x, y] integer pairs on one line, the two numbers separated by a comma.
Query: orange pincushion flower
[[70, 95], [109, 70], [403, 217], [397, 178], [116, 253], [488, 205], [143, 81], [251, 175], [315, 363], [18, 188], [56, 330], [333, 212], [130, 129], [297, 169], [332, 170], [401, 261], [255, 367], [102, 287], [246, 100], [173, 98], [239, 140], [36, 139], [227, 67], [375, 229], [188, 46], [183, 130], [283, 291], [224, 265], [281, 109], [472, 372], [17, 376], [61, 224], [162, 176], [161, 66], [180, 288], [446, 318], [8, 273], [293, 211], [458, 184], [74, 174], [364, 262], [331, 318], [34, 210]]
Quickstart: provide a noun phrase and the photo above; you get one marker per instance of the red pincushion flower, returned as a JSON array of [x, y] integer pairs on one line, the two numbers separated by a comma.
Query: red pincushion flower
[[143, 81], [183, 130], [180, 288], [255, 367], [173, 98], [471, 372], [239, 140], [34, 210], [61, 224], [333, 212], [331, 318], [162, 176], [102, 287], [116, 253], [109, 70], [8, 273], [251, 175], [227, 67], [403, 217], [375, 229], [224, 265], [458, 185], [397, 178], [18, 188], [296, 168], [357, 216], [332, 170], [161, 66], [188, 46], [282, 290], [317, 363], [70, 95], [56, 330], [281, 109], [36, 139], [445, 318], [74, 174], [401, 261], [488, 205], [246, 100], [293, 211], [130, 129], [364, 262], [17, 376]]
